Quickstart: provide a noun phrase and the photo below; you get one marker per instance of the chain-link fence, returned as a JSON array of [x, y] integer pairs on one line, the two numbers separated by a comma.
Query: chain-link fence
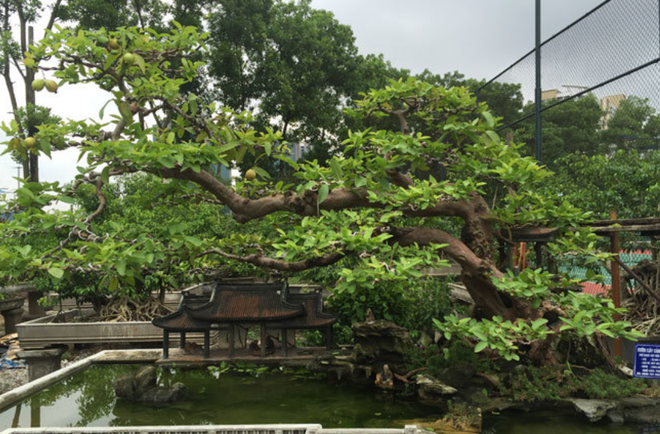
[[597, 276], [610, 54], [600, 83]]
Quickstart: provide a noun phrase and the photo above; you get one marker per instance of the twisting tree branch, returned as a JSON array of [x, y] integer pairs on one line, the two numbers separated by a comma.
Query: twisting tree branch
[[279, 265]]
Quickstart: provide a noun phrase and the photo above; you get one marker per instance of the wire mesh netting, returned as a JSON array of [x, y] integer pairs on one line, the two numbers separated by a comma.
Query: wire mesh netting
[[609, 55], [612, 52]]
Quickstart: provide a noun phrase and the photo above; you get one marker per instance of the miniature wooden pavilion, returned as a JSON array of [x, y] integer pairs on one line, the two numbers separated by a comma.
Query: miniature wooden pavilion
[[268, 305]]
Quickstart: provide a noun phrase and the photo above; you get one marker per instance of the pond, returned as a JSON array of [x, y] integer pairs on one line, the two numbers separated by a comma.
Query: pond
[[88, 399]]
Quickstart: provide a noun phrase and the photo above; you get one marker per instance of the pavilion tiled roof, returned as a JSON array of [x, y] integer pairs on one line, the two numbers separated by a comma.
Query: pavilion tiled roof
[[236, 303], [180, 321], [314, 316]]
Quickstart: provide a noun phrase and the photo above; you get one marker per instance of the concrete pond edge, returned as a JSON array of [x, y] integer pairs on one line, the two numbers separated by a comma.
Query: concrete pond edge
[[10, 398]]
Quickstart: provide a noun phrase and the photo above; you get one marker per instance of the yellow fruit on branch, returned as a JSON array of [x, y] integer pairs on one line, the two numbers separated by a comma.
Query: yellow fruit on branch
[[38, 84], [113, 44], [129, 59], [51, 85], [250, 175], [30, 142]]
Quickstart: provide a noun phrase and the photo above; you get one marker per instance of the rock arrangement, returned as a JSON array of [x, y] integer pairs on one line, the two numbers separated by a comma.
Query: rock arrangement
[[142, 387]]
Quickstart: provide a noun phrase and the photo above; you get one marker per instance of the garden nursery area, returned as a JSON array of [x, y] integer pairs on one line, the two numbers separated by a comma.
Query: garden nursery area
[[268, 232]]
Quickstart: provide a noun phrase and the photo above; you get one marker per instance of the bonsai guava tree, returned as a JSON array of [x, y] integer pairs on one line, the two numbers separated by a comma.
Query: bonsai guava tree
[[394, 202]]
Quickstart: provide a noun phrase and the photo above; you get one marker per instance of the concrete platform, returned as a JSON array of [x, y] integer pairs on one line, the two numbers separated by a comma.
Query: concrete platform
[[128, 356], [296, 357]]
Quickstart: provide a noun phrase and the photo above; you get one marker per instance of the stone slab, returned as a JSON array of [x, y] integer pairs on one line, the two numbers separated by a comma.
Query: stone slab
[[296, 356]]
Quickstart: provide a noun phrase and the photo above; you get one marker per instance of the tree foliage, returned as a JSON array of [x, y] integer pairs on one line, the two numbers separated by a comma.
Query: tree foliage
[[373, 203], [295, 63], [634, 123], [627, 181]]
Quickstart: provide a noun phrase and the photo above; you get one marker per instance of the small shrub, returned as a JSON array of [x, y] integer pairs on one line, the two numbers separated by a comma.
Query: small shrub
[[551, 383], [436, 359], [600, 384]]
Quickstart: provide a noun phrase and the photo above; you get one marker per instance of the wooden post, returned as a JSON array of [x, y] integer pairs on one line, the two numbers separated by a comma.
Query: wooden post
[[538, 251], [232, 341], [207, 344], [616, 281], [510, 264], [35, 413], [328, 338], [166, 344], [263, 339], [182, 341], [285, 342]]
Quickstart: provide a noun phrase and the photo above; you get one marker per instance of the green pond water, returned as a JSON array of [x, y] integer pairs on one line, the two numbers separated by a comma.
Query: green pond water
[[87, 399]]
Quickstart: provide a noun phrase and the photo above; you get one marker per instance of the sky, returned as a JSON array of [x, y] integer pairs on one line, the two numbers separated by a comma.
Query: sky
[[478, 38]]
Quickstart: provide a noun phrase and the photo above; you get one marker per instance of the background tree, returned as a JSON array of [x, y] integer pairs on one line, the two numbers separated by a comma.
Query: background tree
[[111, 14], [571, 127], [12, 48], [634, 123], [627, 181], [293, 61]]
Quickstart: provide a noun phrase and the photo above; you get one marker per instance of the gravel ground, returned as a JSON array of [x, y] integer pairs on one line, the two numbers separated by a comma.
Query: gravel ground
[[13, 378]]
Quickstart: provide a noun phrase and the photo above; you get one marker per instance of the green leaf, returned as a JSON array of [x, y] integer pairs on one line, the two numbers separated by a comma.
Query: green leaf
[[324, 189], [194, 241], [125, 111], [261, 172], [105, 175], [139, 61], [102, 111], [489, 119], [114, 283], [56, 272], [480, 346], [336, 169]]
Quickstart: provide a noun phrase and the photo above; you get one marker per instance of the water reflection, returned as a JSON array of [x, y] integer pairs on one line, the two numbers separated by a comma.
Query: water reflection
[[88, 399]]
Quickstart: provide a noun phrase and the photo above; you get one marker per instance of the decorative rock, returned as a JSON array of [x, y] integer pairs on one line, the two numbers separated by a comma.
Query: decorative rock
[[142, 387], [160, 395], [433, 392], [458, 375], [145, 379], [640, 409], [124, 386], [381, 341], [593, 409]]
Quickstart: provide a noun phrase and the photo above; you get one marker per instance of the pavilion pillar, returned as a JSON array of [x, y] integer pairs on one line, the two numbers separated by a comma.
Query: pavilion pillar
[[263, 339], [207, 344], [328, 337], [182, 341], [232, 340], [166, 344], [285, 342]]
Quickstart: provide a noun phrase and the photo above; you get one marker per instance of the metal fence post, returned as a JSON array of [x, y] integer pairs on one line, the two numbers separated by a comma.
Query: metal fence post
[[537, 103], [616, 280]]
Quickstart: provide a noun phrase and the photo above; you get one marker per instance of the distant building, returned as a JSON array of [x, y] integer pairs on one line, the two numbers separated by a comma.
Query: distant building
[[298, 150], [609, 104], [548, 95]]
